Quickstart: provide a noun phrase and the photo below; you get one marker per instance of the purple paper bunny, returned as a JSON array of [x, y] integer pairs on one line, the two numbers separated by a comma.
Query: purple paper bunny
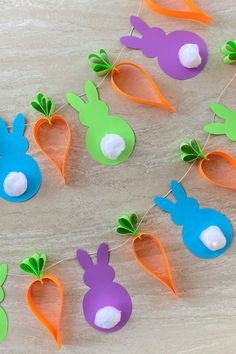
[[107, 305], [167, 48]]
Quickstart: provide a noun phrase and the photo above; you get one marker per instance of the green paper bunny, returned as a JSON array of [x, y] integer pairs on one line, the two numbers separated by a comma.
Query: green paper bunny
[[109, 140], [228, 127]]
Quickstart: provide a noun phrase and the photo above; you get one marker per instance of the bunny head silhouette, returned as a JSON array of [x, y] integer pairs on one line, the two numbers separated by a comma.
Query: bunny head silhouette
[[20, 176], [150, 36], [206, 232], [110, 140], [95, 109], [107, 305], [182, 209], [227, 126], [96, 275], [180, 54], [13, 142]]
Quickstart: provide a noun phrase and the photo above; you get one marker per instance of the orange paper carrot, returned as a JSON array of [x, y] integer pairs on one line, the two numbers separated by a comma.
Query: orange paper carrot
[[193, 12], [51, 133], [217, 167], [35, 265], [129, 80], [147, 250]]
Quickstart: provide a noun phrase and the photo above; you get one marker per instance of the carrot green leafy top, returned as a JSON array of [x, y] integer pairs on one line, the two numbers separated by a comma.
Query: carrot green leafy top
[[127, 225], [229, 50], [100, 63], [34, 265], [191, 151], [44, 105]]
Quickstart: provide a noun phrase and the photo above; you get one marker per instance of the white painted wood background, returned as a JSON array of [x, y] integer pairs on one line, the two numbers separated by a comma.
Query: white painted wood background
[[44, 47]]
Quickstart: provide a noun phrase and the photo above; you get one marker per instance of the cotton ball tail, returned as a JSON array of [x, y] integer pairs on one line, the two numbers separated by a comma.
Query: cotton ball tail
[[213, 238], [107, 317], [15, 184], [112, 145], [189, 56]]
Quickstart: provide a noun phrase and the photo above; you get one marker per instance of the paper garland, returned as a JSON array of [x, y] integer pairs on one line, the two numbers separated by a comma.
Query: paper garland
[[52, 133], [125, 79], [95, 115], [128, 224], [147, 250], [194, 13], [3, 314], [14, 159], [165, 47], [34, 265], [195, 220], [104, 292], [228, 127]]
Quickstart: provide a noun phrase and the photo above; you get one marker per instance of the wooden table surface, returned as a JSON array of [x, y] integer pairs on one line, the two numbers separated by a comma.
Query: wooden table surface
[[44, 47]]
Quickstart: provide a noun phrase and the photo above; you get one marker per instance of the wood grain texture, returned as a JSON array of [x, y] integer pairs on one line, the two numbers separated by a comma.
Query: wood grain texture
[[44, 47]]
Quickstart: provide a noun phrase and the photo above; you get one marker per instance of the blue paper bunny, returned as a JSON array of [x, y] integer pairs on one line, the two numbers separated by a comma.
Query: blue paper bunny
[[13, 159], [194, 220]]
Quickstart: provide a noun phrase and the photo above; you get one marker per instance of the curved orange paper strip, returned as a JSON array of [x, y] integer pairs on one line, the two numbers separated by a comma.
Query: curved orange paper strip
[[144, 258], [41, 128], [53, 330], [163, 103], [228, 159], [195, 12]]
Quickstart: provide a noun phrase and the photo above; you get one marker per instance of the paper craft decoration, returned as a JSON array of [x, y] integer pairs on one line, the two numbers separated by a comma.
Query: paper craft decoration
[[229, 51], [228, 127], [194, 13], [206, 232], [107, 305], [109, 140], [216, 167], [147, 250], [20, 176], [35, 265], [3, 314], [52, 133], [180, 54], [191, 151], [129, 80]]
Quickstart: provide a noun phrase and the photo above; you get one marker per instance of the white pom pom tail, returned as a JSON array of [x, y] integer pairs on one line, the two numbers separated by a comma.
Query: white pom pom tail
[[112, 145], [107, 317], [189, 56], [213, 238], [15, 184]]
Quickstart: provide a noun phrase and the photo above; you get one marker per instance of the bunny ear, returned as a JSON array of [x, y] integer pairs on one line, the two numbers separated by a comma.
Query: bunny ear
[[177, 190], [19, 125], [3, 128], [91, 91], [139, 24], [75, 101], [215, 128], [84, 259], [221, 111], [164, 204], [131, 42], [103, 254]]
